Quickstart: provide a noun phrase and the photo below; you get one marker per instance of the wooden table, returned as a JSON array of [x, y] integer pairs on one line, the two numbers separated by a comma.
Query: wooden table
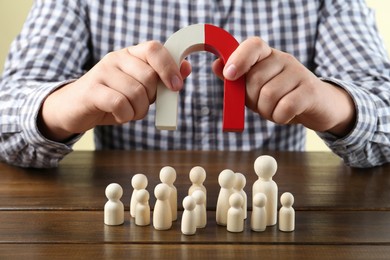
[[341, 213]]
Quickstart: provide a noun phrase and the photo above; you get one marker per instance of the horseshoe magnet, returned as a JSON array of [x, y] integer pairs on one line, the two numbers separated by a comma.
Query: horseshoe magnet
[[202, 37]]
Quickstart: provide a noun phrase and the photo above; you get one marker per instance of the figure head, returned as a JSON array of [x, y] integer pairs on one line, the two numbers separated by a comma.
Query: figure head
[[114, 191], [162, 191], [139, 181], [226, 179], [197, 175], [287, 199], [236, 200], [259, 200], [265, 167], [168, 175], [189, 203]]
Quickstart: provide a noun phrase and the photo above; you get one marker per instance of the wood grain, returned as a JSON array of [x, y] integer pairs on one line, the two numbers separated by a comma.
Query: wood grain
[[341, 212]]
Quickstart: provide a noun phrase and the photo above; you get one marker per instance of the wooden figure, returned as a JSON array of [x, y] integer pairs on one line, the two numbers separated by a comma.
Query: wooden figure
[[239, 184], [265, 167], [142, 208], [162, 214], [202, 37], [259, 213], [188, 221], [200, 209], [287, 213], [114, 209], [226, 181], [138, 182], [235, 216], [168, 176], [197, 177]]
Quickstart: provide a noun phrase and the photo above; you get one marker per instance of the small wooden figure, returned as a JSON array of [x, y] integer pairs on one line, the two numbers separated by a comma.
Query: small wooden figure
[[162, 214], [142, 208], [235, 216], [188, 221], [114, 209], [226, 181], [168, 176], [259, 214], [287, 213], [139, 182], [265, 167], [239, 184], [200, 209]]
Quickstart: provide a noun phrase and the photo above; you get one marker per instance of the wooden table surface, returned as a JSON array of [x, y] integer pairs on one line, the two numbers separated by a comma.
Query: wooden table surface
[[341, 212]]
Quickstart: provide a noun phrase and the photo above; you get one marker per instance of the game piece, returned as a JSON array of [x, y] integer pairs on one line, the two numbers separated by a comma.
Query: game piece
[[265, 167], [202, 37], [287, 213], [235, 216], [259, 213], [114, 209], [200, 209], [139, 182], [226, 181], [239, 184], [197, 178], [188, 221], [168, 176], [162, 214], [142, 208]]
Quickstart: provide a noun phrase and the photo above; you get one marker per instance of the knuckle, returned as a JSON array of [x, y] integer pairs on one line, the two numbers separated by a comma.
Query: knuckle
[[119, 102], [257, 41], [284, 109], [267, 93], [140, 102], [150, 76], [154, 46], [110, 56], [288, 58]]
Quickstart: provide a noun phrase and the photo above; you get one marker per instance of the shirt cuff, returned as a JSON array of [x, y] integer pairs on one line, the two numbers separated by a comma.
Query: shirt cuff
[[28, 121], [351, 147]]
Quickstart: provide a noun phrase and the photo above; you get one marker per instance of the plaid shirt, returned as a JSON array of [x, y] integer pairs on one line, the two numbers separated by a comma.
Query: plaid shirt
[[61, 40]]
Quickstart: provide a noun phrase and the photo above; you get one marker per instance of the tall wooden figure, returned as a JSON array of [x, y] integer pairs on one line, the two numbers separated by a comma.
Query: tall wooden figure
[[197, 177], [265, 167], [239, 184], [168, 176], [226, 181]]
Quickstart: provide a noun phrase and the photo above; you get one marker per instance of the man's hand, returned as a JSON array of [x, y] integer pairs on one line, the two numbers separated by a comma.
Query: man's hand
[[118, 89], [282, 90]]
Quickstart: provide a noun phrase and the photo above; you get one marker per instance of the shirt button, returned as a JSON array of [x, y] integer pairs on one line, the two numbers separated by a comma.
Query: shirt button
[[205, 111]]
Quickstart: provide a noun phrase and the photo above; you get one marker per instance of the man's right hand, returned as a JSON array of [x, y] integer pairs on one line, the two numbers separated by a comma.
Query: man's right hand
[[118, 89]]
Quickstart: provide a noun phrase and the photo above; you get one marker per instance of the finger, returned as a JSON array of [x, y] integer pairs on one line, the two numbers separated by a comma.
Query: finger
[[158, 57], [261, 73], [217, 68], [131, 66], [132, 89], [112, 102], [274, 90], [247, 54], [291, 106], [185, 69]]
